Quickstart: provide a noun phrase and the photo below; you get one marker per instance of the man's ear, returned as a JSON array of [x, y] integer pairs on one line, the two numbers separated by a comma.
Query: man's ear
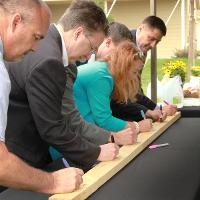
[[108, 41], [140, 27], [16, 20], [78, 31]]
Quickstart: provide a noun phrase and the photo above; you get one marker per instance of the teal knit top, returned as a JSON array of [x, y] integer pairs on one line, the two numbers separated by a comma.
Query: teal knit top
[[92, 92]]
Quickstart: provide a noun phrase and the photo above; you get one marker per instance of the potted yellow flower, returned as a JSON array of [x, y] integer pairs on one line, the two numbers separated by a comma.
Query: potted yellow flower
[[175, 68], [174, 76]]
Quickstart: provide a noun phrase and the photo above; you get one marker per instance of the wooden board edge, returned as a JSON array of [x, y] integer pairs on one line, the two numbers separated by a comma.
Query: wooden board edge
[[102, 172]]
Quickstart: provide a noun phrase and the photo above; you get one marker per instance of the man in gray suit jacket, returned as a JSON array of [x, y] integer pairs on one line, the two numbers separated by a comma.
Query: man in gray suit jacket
[[38, 82]]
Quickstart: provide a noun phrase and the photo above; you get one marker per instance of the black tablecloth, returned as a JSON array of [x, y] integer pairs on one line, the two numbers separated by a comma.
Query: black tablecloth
[[190, 111], [167, 173], [11, 194]]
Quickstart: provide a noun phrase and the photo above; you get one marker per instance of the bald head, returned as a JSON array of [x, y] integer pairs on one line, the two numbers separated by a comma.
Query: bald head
[[25, 7], [23, 24]]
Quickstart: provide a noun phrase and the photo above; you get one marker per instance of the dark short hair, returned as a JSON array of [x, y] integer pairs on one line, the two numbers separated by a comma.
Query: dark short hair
[[84, 13], [155, 22], [119, 32]]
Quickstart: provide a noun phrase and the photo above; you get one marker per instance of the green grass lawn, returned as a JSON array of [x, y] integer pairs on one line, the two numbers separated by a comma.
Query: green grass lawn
[[146, 74]]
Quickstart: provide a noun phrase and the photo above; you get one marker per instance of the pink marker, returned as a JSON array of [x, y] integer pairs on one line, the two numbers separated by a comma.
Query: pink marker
[[169, 104], [166, 102], [154, 146]]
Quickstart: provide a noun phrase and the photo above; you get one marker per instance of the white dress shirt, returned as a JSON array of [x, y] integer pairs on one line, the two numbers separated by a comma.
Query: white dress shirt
[[5, 87], [64, 49]]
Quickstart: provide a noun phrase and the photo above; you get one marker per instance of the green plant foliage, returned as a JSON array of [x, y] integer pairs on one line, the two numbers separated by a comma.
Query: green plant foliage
[[174, 68], [100, 3], [181, 53], [195, 71]]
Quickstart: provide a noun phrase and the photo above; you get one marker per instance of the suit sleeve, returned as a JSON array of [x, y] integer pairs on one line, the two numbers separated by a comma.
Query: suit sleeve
[[45, 86], [127, 111], [89, 131], [145, 101]]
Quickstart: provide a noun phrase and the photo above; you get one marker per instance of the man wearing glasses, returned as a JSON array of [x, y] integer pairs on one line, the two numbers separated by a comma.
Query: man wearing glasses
[[116, 34], [38, 85]]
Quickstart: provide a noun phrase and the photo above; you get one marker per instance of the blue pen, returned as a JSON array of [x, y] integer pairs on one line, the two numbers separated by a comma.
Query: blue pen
[[65, 162], [143, 115]]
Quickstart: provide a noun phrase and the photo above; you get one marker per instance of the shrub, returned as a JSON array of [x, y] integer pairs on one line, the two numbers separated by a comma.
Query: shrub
[[181, 53], [195, 70]]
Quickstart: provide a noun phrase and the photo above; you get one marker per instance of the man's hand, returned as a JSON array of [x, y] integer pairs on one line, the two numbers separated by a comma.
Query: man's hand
[[170, 109], [126, 136], [67, 180], [108, 152], [153, 114], [145, 125]]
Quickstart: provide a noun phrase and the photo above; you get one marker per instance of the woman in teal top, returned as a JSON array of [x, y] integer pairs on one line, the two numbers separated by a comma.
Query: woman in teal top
[[92, 92], [100, 81]]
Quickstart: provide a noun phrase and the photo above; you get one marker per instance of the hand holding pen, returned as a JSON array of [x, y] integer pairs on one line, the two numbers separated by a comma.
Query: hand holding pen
[[163, 115], [146, 124], [169, 108]]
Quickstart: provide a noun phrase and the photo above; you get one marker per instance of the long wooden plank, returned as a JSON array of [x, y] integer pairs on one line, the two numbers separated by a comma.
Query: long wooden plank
[[102, 172]]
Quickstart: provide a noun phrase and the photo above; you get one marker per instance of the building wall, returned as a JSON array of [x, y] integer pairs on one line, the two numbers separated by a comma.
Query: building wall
[[131, 13], [57, 10]]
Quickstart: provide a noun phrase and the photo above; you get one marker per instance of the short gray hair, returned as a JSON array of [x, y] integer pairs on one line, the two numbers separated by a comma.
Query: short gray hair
[[84, 13], [24, 7]]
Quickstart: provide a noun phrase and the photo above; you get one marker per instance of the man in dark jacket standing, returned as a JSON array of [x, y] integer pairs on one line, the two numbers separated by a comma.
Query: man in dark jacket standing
[[148, 34]]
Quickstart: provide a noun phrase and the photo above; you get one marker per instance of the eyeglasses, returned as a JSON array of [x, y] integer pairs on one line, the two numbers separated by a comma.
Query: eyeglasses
[[93, 49]]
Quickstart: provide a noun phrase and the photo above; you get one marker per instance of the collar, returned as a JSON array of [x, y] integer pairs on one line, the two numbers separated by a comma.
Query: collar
[[64, 49]]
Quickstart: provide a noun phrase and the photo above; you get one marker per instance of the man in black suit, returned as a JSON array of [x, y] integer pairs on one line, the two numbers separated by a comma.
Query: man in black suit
[[35, 120], [148, 34]]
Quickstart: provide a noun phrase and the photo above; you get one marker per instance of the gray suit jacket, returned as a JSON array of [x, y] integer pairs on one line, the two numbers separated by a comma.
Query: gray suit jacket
[[35, 120], [89, 131]]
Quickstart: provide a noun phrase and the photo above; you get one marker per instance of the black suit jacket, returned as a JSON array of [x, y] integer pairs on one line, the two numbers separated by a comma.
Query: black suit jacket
[[35, 120], [131, 111]]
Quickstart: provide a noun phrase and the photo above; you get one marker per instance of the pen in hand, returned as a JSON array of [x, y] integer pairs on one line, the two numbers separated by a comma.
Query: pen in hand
[[169, 104], [142, 114], [66, 164]]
